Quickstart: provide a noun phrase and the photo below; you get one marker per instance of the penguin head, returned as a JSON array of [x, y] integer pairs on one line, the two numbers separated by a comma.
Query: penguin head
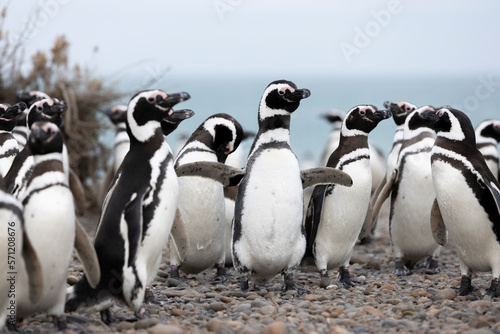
[[117, 114], [399, 110], [416, 121], [9, 115], [451, 123], [489, 129], [335, 117], [45, 137], [171, 120], [362, 119], [46, 110], [281, 97], [146, 110], [30, 97]]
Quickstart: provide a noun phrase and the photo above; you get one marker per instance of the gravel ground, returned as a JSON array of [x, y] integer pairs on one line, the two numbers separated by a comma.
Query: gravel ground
[[419, 303]]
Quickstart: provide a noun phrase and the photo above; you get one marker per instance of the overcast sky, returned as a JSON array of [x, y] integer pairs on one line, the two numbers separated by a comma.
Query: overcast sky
[[239, 37]]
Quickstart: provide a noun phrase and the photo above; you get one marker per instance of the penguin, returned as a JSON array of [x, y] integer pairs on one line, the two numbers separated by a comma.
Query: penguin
[[137, 214], [467, 205], [21, 131], [487, 139], [335, 215], [22, 166], [9, 147], [17, 250], [48, 212], [217, 137], [117, 115], [412, 194], [377, 158], [268, 235], [399, 110]]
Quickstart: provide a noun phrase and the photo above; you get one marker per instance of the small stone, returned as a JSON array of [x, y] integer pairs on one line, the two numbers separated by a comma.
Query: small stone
[[71, 280], [277, 327], [373, 264], [165, 329], [312, 297], [387, 287], [268, 310], [418, 293], [258, 303], [373, 310], [478, 323], [216, 306], [446, 294], [214, 325], [178, 312], [124, 326], [146, 323], [477, 304], [225, 299]]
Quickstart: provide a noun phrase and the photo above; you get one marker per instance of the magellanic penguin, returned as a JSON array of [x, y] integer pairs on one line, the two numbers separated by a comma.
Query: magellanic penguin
[[467, 206], [21, 130], [377, 158], [137, 214], [9, 147], [335, 215], [117, 115], [412, 193], [49, 212], [400, 110], [44, 110], [18, 253], [268, 233], [217, 137], [487, 139]]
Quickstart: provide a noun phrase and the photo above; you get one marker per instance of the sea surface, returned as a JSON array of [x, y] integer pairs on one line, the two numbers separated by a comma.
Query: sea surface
[[478, 96]]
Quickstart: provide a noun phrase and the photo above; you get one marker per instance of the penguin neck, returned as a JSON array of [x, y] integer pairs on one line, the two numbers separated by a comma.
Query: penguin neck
[[467, 145], [272, 129], [274, 122], [149, 142]]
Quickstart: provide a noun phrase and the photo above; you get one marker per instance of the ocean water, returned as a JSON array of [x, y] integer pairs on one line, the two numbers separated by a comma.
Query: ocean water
[[478, 96]]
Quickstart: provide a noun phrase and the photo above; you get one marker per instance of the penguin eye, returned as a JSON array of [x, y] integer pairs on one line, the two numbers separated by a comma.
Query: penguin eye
[[151, 99], [281, 92], [362, 112], [40, 108]]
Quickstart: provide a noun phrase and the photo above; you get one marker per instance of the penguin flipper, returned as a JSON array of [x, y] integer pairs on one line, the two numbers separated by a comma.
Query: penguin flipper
[[313, 218], [384, 193], [179, 236], [87, 255], [324, 175], [34, 269], [226, 175], [78, 191], [495, 192], [133, 218], [437, 225]]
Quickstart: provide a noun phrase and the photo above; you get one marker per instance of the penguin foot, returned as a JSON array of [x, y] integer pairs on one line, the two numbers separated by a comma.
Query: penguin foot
[[60, 322], [174, 273], [244, 283], [12, 326], [290, 284], [465, 286], [325, 280], [401, 269], [221, 274], [366, 240], [432, 265], [345, 278], [108, 318], [149, 298], [492, 291]]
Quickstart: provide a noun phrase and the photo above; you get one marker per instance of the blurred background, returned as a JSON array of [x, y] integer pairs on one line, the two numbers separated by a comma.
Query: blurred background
[[225, 52]]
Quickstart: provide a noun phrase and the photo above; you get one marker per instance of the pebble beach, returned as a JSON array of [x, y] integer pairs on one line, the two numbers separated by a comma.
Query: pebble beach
[[381, 303]]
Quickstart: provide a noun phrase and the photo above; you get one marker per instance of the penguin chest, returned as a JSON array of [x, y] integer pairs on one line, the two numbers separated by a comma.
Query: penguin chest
[[467, 223], [344, 212], [411, 204], [202, 206], [8, 151]]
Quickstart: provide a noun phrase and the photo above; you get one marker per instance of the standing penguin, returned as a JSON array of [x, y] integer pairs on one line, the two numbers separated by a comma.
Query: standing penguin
[[9, 147], [118, 115], [217, 137], [21, 129], [137, 214], [467, 206], [268, 235], [336, 215], [412, 194], [44, 110], [487, 139], [49, 212]]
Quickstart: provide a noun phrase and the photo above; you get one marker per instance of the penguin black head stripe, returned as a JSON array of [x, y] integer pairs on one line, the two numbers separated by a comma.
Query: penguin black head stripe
[[9, 115], [447, 121], [363, 118], [400, 110]]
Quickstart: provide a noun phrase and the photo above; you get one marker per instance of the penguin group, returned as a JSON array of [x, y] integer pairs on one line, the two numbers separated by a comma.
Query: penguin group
[[210, 212]]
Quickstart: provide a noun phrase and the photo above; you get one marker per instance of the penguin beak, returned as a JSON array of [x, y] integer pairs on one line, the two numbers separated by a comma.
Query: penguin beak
[[297, 95], [177, 116], [172, 99], [23, 95], [15, 110], [431, 115], [381, 115], [59, 107], [393, 108]]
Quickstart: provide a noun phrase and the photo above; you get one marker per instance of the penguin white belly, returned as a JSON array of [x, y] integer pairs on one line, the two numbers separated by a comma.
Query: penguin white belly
[[229, 204], [20, 133], [271, 237], [342, 217], [50, 224], [410, 229], [8, 152], [203, 211], [468, 225]]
